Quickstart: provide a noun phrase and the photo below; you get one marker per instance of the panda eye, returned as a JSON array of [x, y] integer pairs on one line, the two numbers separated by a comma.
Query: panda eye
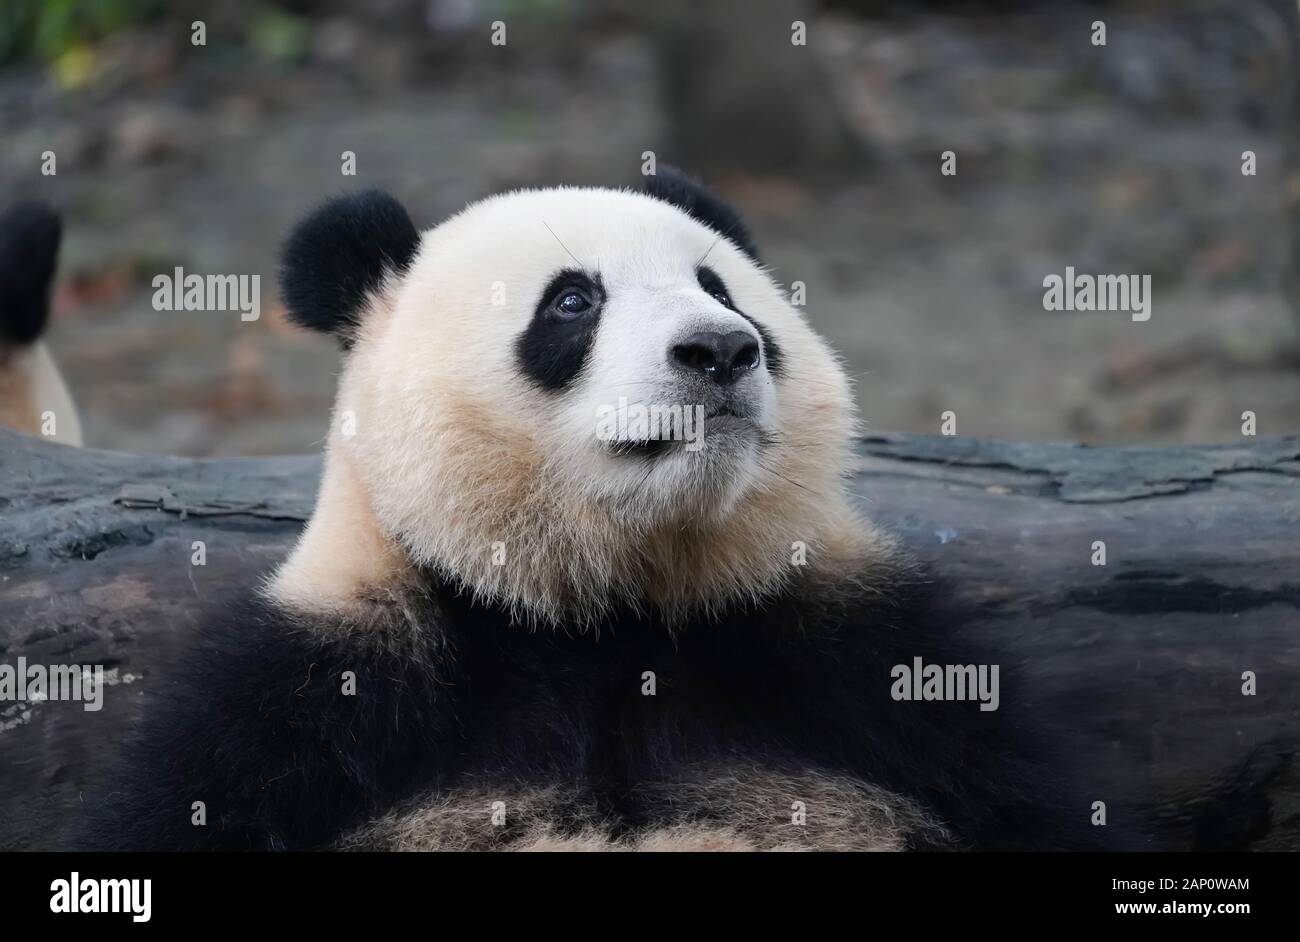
[[571, 303], [714, 287], [571, 297]]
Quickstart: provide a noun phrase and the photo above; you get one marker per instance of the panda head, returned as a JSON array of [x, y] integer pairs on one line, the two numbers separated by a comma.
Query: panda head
[[569, 398]]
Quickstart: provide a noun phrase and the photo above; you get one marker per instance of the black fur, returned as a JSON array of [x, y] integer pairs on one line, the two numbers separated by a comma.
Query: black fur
[[336, 257], [694, 198], [553, 350], [29, 251], [450, 692]]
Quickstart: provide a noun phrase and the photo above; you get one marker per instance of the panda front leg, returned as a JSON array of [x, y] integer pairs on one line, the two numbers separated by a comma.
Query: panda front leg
[[277, 732], [985, 767], [884, 687]]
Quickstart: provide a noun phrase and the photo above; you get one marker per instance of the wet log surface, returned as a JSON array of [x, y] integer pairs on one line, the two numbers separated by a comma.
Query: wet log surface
[[1139, 661]]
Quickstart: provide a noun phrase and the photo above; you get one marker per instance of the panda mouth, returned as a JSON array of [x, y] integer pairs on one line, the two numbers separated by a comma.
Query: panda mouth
[[720, 421], [645, 448]]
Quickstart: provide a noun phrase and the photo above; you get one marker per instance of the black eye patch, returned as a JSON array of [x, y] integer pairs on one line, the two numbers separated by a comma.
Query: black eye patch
[[555, 347], [717, 289]]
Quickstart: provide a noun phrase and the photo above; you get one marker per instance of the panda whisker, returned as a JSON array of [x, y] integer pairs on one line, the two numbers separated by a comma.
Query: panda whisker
[[645, 478], [562, 245], [805, 381], [710, 249], [789, 480], [779, 438]]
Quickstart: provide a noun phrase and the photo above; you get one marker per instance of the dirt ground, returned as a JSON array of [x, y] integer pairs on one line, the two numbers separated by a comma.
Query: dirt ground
[[1122, 160]]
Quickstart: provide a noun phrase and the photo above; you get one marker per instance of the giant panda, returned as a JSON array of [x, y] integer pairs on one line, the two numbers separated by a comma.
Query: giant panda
[[503, 629], [32, 390]]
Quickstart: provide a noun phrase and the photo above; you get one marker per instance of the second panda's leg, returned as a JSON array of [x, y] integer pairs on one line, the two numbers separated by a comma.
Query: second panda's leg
[[33, 397]]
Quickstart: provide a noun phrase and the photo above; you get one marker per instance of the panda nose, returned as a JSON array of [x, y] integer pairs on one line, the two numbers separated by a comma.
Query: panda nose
[[723, 358]]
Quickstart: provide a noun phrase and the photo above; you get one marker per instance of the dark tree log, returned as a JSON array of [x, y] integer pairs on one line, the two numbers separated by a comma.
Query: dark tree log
[[1140, 660]]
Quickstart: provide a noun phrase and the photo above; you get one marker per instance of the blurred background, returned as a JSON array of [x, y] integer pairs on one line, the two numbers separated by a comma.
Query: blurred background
[[1118, 159]]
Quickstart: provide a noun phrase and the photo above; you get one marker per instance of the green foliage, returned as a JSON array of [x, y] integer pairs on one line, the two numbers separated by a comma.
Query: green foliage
[[45, 30], [277, 35]]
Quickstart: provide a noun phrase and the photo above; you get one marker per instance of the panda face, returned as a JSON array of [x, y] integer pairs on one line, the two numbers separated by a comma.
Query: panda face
[[625, 350], [661, 388], [580, 375]]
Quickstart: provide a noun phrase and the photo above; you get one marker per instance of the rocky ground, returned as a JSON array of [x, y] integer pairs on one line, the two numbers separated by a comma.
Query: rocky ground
[[1123, 160]]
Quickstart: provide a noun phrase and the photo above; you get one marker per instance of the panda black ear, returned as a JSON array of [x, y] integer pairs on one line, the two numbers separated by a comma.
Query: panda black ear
[[698, 201], [29, 253], [337, 257]]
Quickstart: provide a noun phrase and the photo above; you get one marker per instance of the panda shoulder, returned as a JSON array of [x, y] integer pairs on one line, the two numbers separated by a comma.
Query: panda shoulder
[[263, 667]]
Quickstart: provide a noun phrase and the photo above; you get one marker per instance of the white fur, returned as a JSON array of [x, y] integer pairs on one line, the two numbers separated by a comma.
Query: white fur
[[30, 386], [736, 808]]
